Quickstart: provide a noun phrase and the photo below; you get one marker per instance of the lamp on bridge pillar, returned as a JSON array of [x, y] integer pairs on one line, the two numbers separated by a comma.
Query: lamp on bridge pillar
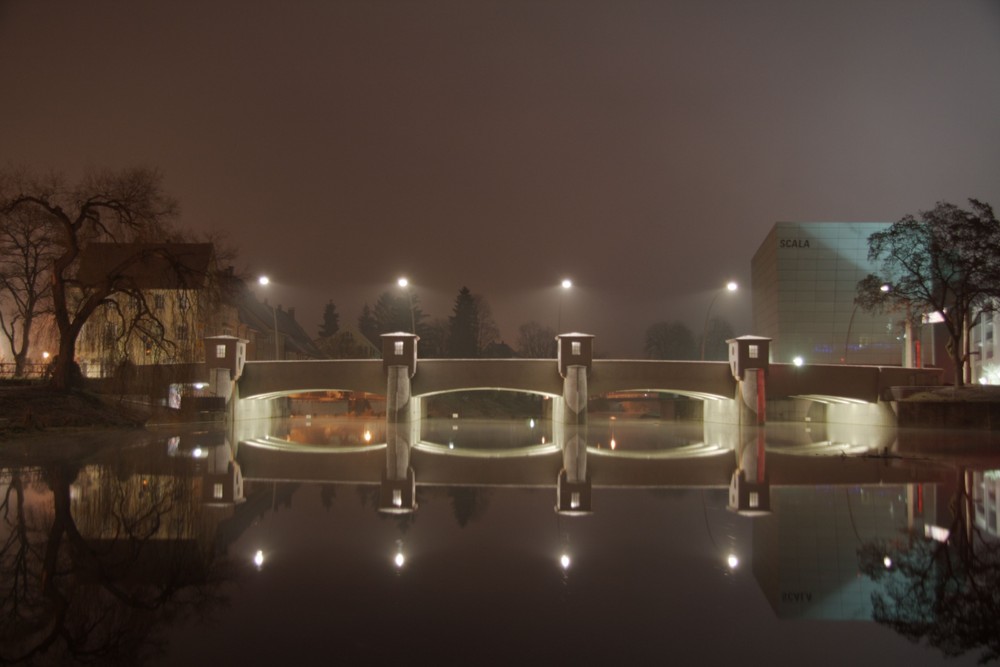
[[731, 286], [264, 281], [405, 284]]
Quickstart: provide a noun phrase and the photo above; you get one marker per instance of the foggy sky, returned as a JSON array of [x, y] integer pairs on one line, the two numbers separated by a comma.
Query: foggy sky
[[643, 149]]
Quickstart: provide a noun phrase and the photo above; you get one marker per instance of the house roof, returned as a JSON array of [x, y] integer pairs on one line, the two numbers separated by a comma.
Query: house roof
[[147, 265], [260, 317]]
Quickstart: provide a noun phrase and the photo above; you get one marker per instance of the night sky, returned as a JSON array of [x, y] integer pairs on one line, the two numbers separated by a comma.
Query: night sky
[[643, 149]]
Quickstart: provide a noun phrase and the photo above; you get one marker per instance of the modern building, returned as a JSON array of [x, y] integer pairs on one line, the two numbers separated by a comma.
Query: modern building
[[985, 352], [804, 280]]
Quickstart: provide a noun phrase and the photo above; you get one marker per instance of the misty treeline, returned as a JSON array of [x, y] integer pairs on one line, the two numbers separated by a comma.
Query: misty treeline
[[469, 332], [945, 261]]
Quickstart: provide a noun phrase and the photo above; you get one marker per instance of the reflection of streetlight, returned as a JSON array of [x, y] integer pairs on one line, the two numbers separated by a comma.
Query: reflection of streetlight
[[258, 559], [564, 561], [399, 559], [731, 286], [264, 281], [405, 284], [732, 561], [566, 284]]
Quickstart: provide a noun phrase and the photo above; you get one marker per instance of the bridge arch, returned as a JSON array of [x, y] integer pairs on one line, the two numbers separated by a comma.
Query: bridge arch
[[273, 379], [705, 380]]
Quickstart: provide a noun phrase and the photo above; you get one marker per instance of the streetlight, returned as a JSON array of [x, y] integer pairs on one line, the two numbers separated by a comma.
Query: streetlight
[[405, 284], [566, 284], [731, 286], [264, 281]]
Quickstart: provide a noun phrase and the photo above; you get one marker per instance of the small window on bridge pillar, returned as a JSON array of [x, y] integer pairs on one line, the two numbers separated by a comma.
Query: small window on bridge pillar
[[752, 351], [220, 351], [217, 491], [574, 498], [754, 500], [576, 348], [398, 348], [397, 494]]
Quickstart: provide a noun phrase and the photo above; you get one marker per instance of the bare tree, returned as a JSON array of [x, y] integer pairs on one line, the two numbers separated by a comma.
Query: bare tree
[[27, 250], [126, 206], [535, 341]]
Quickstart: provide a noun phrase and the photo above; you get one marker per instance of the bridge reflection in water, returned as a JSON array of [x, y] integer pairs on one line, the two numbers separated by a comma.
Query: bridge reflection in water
[[841, 507]]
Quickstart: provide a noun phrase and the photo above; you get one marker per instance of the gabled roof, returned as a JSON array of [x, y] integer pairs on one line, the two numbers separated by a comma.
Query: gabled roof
[[147, 265], [260, 317]]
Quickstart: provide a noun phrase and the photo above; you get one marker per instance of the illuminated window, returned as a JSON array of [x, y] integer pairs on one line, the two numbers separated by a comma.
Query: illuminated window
[[397, 494], [217, 491], [220, 351], [754, 499], [752, 351], [398, 347], [574, 500], [576, 348]]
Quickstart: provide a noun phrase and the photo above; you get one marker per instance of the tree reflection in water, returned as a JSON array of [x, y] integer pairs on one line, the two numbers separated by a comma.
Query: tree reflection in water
[[93, 562], [944, 591]]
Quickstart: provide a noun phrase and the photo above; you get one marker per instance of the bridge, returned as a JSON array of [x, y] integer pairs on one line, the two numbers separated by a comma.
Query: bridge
[[707, 380], [734, 392]]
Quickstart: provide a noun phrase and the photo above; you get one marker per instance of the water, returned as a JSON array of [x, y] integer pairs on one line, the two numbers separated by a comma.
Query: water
[[144, 550]]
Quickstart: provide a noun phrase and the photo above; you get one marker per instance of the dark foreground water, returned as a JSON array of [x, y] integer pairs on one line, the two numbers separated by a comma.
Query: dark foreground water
[[190, 549]]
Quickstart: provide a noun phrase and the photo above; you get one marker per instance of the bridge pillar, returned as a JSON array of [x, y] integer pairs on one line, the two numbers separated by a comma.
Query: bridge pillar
[[574, 362], [397, 492], [225, 357], [750, 487], [749, 361]]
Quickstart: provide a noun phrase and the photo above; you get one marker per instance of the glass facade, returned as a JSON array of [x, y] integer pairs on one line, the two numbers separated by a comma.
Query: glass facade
[[804, 280]]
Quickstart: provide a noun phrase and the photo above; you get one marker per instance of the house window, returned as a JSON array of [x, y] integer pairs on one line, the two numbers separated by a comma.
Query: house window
[[752, 351], [220, 351], [217, 491], [183, 302], [575, 347], [182, 332], [159, 302], [398, 348]]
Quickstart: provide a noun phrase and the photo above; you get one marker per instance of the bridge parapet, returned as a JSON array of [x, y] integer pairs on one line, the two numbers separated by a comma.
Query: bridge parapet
[[857, 383], [530, 375]]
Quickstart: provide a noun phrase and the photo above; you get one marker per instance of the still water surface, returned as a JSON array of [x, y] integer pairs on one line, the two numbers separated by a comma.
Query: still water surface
[[201, 548]]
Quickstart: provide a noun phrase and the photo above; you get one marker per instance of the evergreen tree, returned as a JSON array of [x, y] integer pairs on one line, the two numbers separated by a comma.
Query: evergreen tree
[[368, 326], [331, 321], [463, 326]]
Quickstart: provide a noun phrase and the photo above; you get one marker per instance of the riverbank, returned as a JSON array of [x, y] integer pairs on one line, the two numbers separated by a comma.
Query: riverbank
[[29, 409]]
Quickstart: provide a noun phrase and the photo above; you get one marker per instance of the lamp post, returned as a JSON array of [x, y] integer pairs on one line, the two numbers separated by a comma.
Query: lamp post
[[731, 286], [566, 284], [405, 284], [264, 281]]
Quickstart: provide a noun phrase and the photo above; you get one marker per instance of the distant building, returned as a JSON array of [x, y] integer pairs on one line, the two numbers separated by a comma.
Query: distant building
[[804, 280]]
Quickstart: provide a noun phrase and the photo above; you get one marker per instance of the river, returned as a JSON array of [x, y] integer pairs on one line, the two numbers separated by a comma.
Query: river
[[267, 546]]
